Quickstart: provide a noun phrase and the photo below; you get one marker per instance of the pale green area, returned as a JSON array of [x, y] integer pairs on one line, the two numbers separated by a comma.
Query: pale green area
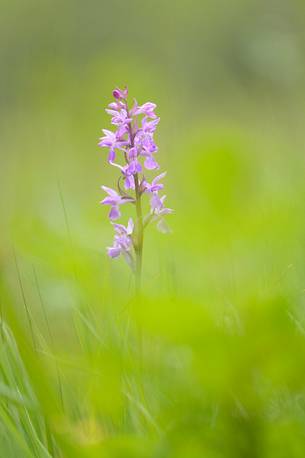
[[211, 364]]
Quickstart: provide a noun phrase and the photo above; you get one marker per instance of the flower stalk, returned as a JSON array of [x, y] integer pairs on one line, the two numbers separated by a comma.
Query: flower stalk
[[140, 235]]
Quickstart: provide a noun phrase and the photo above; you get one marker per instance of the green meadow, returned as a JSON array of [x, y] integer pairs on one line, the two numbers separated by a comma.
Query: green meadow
[[210, 361]]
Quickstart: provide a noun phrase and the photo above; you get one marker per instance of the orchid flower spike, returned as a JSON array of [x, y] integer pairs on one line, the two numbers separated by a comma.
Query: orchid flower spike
[[132, 150]]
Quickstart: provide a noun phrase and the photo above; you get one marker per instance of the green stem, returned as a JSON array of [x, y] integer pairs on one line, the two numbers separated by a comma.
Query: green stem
[[139, 236]]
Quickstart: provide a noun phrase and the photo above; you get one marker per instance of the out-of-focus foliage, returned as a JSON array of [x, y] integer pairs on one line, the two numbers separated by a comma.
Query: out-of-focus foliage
[[211, 362]]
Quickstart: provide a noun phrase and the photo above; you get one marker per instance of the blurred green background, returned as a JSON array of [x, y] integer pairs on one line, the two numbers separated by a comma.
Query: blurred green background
[[211, 363]]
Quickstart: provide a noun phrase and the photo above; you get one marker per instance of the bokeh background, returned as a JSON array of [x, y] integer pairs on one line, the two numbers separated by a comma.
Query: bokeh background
[[219, 368]]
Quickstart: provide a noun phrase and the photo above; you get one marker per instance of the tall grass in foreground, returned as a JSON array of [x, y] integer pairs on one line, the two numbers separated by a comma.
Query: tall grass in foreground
[[203, 385]]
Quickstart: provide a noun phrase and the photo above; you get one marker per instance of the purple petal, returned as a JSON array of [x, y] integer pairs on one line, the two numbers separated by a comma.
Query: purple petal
[[111, 156], [134, 167], [159, 177], [114, 252], [129, 182], [150, 163], [114, 213], [155, 202], [111, 112], [148, 143], [122, 130], [147, 109], [149, 126], [108, 133], [109, 201], [166, 211], [132, 154], [156, 187], [119, 228], [110, 192], [116, 105]]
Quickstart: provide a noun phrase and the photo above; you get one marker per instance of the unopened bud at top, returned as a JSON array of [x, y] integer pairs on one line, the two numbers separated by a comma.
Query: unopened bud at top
[[120, 93]]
